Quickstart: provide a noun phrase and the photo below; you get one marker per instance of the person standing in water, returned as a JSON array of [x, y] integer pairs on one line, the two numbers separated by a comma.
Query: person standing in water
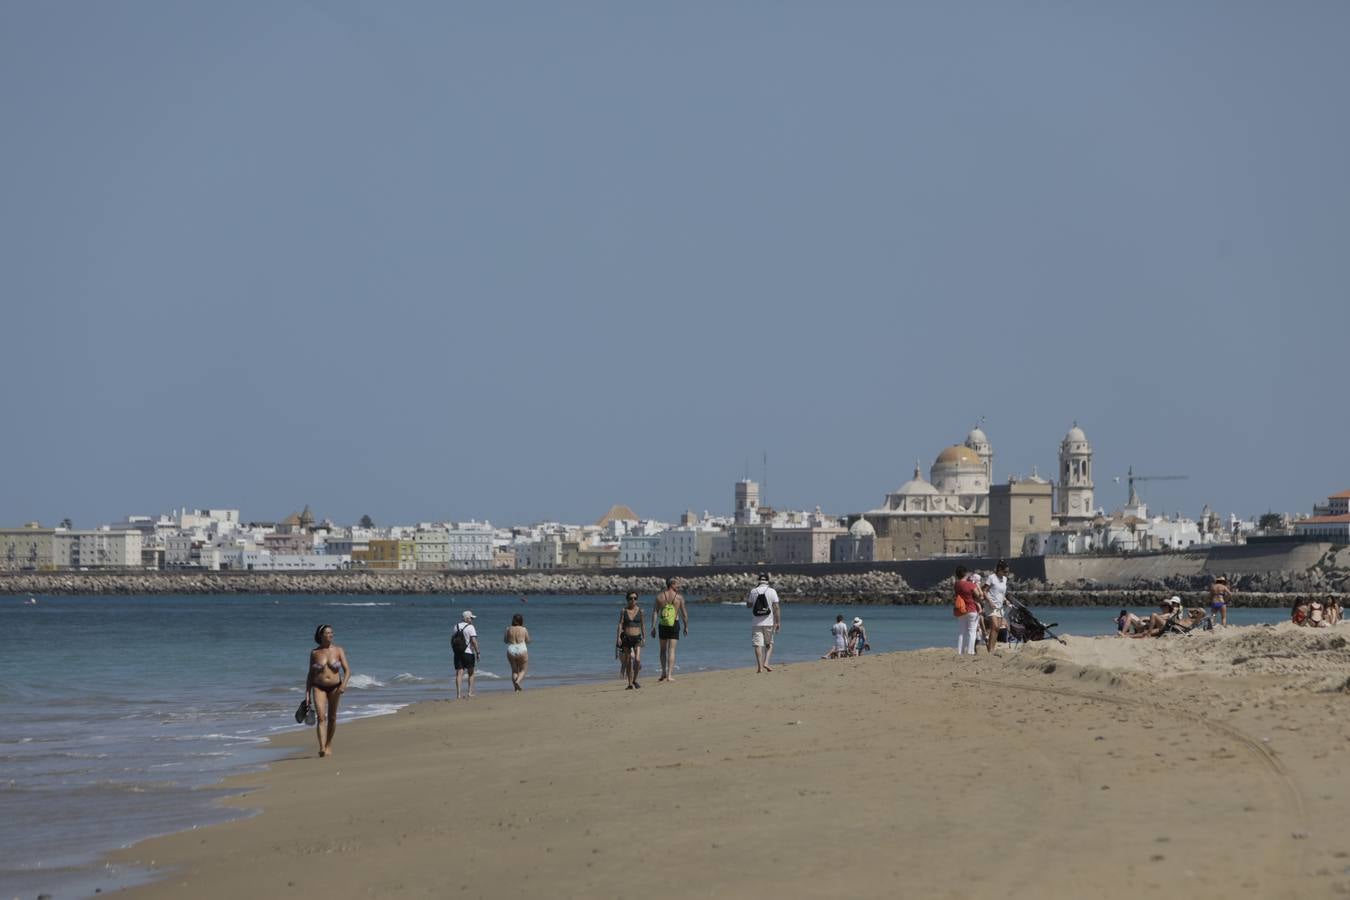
[[667, 613], [328, 675]]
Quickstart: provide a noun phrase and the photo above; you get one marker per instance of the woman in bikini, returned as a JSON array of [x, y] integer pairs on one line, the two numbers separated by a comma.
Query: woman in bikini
[[517, 639], [327, 679], [1219, 592], [628, 641]]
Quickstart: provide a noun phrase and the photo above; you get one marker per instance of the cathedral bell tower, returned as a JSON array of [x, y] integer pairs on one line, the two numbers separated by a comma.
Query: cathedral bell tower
[[1075, 505]]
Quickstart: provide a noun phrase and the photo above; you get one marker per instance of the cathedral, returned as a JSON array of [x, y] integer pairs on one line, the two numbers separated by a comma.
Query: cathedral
[[948, 515]]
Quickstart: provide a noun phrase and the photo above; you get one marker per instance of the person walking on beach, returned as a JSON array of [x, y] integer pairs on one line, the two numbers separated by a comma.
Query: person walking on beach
[[628, 641], [1218, 599], [995, 596], [667, 613], [966, 608], [464, 645], [325, 682], [766, 620], [517, 640]]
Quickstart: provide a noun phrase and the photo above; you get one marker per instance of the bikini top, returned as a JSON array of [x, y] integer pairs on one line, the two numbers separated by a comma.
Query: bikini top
[[335, 666], [631, 621]]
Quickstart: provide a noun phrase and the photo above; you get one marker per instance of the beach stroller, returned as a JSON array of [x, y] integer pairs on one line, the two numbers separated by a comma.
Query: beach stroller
[[1023, 626]]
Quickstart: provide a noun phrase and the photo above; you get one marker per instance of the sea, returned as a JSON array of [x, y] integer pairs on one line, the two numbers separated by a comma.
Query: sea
[[120, 716]]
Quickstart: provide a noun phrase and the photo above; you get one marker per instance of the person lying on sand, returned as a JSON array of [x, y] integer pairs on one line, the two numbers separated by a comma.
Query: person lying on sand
[[1128, 623], [1159, 623]]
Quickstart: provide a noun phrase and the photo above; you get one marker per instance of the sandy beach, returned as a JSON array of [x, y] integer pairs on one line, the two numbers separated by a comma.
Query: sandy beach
[[1204, 766]]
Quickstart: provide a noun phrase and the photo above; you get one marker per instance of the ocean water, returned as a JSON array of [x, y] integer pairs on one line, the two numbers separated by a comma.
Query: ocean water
[[120, 715]]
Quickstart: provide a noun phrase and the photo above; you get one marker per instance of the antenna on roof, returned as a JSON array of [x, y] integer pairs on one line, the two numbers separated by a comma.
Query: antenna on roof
[[764, 481]]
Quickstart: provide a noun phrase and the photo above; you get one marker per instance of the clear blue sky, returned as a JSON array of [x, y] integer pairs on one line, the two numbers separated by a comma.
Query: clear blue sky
[[522, 261]]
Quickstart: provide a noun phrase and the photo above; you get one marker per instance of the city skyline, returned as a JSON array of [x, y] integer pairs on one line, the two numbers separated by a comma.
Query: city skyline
[[524, 263]]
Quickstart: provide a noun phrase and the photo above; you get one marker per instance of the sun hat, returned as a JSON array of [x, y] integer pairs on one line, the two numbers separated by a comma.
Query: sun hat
[[857, 620], [468, 614]]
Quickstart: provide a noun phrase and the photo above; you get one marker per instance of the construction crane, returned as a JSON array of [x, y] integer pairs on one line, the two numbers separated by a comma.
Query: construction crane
[[1132, 478]]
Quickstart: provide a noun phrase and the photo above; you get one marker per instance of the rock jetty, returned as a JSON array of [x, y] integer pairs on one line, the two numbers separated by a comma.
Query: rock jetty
[[1265, 589]]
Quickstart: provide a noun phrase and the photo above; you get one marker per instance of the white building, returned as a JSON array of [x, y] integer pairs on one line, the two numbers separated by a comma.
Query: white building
[[99, 549], [470, 545], [638, 551]]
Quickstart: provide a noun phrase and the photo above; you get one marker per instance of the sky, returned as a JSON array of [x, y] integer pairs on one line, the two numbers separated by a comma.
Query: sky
[[440, 261]]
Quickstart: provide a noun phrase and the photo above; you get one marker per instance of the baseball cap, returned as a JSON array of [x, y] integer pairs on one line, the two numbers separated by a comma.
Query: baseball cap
[[764, 578], [468, 614]]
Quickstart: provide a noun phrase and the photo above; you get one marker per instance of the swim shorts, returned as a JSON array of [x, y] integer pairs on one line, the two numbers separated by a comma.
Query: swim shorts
[[668, 632], [761, 635], [465, 660]]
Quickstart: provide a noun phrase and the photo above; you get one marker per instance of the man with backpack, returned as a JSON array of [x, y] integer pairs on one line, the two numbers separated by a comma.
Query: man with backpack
[[464, 644], [667, 613], [767, 619]]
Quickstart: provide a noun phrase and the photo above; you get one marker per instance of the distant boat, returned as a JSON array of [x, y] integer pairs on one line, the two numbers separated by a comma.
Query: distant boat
[[32, 601]]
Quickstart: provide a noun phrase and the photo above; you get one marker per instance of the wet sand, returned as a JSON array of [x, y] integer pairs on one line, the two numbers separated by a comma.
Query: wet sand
[[1107, 768]]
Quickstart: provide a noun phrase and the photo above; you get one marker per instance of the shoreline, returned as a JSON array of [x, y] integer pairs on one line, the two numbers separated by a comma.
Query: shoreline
[[1120, 764]]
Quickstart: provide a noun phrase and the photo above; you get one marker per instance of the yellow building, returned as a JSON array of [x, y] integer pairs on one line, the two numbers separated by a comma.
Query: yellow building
[[390, 553]]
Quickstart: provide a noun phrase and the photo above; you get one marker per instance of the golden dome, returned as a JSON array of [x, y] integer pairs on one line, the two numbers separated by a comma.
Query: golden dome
[[958, 455]]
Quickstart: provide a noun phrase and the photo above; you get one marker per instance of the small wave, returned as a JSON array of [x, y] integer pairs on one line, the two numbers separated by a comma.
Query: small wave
[[362, 682], [483, 673], [410, 678], [186, 738], [357, 604], [375, 709]]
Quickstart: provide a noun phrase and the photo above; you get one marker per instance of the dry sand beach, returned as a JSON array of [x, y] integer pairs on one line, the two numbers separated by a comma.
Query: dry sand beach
[[1203, 766]]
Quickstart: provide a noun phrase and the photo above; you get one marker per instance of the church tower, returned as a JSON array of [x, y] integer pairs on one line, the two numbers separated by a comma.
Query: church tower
[[977, 441], [1075, 505]]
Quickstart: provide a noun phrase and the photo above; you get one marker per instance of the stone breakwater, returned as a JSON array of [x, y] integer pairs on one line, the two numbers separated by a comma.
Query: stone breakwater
[[457, 583], [1267, 590]]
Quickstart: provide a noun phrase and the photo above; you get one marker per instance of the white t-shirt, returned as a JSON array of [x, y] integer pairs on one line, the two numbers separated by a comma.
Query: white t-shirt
[[469, 634], [996, 589], [772, 596], [840, 632]]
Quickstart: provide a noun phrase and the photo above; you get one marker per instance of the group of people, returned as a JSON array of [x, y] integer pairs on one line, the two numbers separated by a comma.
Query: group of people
[[980, 604], [668, 614], [849, 640], [1314, 613], [329, 671], [670, 621], [1172, 618]]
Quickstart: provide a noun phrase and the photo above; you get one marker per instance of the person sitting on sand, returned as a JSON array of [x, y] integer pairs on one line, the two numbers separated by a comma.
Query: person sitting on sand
[[629, 641], [1333, 610], [328, 675], [839, 631], [1317, 614], [517, 640], [857, 638], [1169, 617], [1299, 614]]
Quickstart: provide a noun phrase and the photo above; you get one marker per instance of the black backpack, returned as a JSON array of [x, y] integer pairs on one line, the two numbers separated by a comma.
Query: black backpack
[[761, 607], [458, 642]]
